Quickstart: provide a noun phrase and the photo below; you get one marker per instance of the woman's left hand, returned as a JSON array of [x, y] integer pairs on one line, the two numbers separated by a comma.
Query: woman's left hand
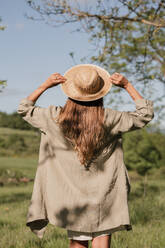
[[119, 80], [53, 80]]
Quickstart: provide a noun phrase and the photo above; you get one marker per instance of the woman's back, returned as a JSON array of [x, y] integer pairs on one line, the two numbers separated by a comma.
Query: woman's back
[[70, 195], [82, 123], [81, 181]]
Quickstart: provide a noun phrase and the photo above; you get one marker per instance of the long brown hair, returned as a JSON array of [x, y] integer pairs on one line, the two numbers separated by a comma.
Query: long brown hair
[[82, 124]]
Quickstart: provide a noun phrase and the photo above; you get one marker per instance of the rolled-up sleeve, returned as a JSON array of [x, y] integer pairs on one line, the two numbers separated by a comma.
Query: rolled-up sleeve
[[34, 115], [121, 122]]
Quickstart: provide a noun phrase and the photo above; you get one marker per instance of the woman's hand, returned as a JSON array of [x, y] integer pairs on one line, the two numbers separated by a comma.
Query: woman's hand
[[119, 80], [53, 80]]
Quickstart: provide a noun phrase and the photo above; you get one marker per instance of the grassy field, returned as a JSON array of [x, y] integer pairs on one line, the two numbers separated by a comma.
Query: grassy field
[[14, 143], [147, 212]]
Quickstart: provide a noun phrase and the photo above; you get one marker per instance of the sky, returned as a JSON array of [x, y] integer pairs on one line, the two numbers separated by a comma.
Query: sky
[[31, 51]]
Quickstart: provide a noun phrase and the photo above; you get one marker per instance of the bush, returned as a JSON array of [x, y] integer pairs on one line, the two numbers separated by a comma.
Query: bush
[[19, 143], [144, 150], [2, 142], [10, 176], [16, 143], [15, 121]]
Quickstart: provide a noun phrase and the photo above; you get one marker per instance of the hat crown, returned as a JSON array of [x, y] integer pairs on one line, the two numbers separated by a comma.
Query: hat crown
[[87, 80]]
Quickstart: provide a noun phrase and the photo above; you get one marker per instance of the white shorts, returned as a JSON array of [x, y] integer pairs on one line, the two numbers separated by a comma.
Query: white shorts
[[86, 235]]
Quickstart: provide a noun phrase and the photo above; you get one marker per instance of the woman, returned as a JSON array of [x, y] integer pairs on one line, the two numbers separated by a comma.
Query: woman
[[81, 182]]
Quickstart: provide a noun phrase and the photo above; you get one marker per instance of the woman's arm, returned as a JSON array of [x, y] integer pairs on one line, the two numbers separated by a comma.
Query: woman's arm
[[121, 121], [52, 81], [120, 81], [133, 92], [35, 115]]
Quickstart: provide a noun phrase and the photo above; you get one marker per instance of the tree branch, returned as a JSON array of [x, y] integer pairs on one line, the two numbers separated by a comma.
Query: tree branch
[[82, 14]]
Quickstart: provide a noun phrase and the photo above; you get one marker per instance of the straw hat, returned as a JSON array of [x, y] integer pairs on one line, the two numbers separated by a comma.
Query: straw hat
[[86, 82]]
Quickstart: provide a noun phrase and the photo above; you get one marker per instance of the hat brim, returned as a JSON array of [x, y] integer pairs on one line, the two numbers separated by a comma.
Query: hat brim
[[70, 90]]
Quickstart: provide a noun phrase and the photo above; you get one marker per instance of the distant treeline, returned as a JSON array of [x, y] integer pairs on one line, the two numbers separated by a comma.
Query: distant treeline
[[15, 121], [143, 149]]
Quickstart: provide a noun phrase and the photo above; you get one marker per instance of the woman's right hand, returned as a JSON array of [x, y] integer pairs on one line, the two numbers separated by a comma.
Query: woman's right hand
[[53, 80], [119, 80]]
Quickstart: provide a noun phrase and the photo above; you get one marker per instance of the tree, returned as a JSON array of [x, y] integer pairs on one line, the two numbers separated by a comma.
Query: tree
[[2, 82], [14, 120], [129, 35], [144, 150], [2, 27]]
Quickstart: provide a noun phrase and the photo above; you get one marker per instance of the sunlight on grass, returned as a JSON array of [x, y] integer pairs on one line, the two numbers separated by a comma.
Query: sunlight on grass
[[146, 212]]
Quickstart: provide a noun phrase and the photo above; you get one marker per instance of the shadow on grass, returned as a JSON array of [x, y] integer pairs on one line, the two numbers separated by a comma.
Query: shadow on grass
[[14, 197]]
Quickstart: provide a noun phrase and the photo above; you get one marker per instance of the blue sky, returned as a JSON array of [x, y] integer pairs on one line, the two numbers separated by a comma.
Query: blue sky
[[31, 51]]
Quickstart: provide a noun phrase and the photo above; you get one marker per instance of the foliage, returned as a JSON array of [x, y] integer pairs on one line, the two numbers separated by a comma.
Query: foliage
[[14, 142], [15, 121], [128, 36], [144, 150], [19, 143], [10, 176], [2, 82], [2, 27], [2, 85], [11, 173]]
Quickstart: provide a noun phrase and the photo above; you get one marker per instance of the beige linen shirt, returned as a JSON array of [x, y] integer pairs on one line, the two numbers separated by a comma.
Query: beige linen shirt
[[68, 195]]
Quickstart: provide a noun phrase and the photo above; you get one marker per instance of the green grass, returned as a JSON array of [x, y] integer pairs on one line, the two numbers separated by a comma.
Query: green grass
[[147, 213], [14, 234], [8, 131], [26, 165]]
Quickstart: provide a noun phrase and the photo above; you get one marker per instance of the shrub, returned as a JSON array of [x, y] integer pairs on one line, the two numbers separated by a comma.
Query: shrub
[[144, 150]]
